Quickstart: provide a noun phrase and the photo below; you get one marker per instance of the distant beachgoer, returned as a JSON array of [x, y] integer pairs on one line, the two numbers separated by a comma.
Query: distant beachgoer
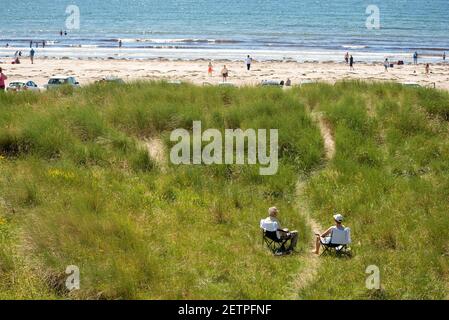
[[351, 63], [31, 43], [288, 83], [444, 56], [16, 61], [386, 64], [7, 45], [249, 60], [2, 80], [60, 33], [16, 53], [427, 69], [32, 55], [415, 57], [210, 69], [120, 43], [347, 57], [225, 73], [20, 53], [65, 32], [43, 44]]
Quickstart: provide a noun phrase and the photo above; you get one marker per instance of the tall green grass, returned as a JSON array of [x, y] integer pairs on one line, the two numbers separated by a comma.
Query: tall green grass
[[77, 188], [390, 179]]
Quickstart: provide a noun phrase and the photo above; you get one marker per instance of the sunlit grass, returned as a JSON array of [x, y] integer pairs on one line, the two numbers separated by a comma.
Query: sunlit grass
[[390, 179], [79, 189]]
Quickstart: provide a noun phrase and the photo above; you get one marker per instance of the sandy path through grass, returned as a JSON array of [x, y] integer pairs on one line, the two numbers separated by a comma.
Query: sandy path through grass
[[311, 261], [156, 152]]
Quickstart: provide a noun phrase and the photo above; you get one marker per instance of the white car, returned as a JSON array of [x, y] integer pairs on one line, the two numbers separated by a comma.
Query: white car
[[58, 81], [16, 86], [411, 84]]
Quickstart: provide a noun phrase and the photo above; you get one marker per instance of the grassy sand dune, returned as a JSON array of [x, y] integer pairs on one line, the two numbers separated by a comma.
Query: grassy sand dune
[[83, 182], [390, 178], [80, 188]]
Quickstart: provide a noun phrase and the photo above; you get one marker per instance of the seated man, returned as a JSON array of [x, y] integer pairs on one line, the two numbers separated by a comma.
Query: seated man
[[326, 237], [283, 234]]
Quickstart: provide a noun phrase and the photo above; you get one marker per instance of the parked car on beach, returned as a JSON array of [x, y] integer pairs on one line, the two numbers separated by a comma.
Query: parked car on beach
[[58, 81], [411, 84], [276, 83], [111, 79], [21, 85]]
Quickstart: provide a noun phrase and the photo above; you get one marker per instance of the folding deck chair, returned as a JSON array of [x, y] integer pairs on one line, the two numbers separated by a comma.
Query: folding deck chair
[[338, 244], [270, 238]]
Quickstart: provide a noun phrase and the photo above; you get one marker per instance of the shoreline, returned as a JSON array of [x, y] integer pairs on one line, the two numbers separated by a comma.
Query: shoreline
[[90, 70], [231, 55], [7, 60]]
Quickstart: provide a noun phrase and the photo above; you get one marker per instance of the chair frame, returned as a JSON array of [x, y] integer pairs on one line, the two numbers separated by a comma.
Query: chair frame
[[276, 247], [338, 250]]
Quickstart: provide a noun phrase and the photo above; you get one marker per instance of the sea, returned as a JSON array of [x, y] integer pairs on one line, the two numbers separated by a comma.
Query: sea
[[287, 30]]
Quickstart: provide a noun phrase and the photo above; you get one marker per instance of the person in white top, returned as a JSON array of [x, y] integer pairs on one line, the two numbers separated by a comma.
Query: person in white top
[[327, 235], [386, 64], [283, 234], [249, 60]]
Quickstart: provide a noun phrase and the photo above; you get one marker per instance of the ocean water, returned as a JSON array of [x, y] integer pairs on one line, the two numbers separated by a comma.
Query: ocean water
[[227, 29]]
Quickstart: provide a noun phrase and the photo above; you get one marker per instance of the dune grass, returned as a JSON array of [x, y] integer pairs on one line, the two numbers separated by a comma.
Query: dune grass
[[77, 187], [390, 178]]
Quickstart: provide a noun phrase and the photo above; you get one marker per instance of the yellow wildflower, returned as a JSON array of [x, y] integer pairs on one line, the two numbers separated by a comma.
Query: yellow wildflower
[[57, 173]]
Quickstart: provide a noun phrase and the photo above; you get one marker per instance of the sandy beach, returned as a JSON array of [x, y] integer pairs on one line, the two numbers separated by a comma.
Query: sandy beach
[[88, 71]]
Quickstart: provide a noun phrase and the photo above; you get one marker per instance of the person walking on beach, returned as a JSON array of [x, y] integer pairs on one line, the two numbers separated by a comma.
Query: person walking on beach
[[2, 80], [31, 43], [347, 57], [386, 64], [249, 60], [427, 69], [351, 63], [120, 43], [444, 56], [32, 55], [415, 57], [225, 73], [210, 69], [60, 33]]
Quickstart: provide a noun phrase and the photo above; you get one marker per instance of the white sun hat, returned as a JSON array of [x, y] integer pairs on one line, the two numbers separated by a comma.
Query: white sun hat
[[338, 217]]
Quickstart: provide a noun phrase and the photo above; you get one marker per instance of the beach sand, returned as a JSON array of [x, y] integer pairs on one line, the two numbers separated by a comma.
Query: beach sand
[[87, 71]]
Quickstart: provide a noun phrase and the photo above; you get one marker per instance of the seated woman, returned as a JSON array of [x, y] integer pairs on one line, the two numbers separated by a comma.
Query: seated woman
[[326, 237]]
